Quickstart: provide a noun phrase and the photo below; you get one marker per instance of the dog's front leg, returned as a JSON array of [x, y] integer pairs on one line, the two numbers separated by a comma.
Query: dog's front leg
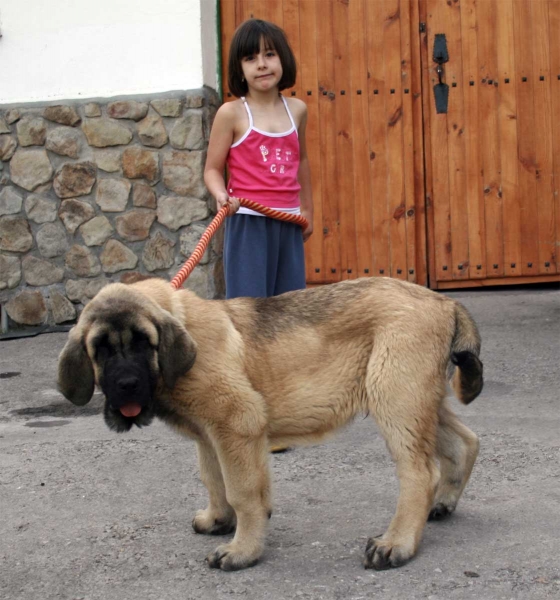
[[244, 463], [219, 517]]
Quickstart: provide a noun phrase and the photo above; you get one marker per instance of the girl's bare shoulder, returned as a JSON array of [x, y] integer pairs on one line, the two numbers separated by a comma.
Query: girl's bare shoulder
[[231, 109], [298, 109]]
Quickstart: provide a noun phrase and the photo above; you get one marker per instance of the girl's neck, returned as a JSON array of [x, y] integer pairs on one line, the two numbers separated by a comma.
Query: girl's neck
[[264, 99]]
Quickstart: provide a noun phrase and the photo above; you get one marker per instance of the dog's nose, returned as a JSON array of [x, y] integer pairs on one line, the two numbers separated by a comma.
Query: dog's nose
[[128, 385]]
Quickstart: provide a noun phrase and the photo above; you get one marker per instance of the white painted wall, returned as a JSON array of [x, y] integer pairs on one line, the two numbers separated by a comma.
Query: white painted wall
[[69, 49]]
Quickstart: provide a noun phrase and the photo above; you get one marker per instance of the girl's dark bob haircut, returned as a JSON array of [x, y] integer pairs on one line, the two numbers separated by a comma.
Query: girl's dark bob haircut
[[247, 41]]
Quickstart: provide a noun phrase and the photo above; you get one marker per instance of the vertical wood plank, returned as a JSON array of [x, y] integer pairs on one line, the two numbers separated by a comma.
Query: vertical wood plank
[[377, 135], [315, 264], [408, 216], [427, 125], [273, 11], [292, 30], [458, 207], [554, 28], [507, 120], [527, 161], [416, 222], [543, 129], [227, 27], [437, 22], [344, 142], [325, 71], [489, 137], [245, 8], [474, 194], [363, 221], [396, 210]]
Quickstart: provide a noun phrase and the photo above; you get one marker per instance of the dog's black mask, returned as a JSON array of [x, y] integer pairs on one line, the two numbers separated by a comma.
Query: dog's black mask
[[128, 382]]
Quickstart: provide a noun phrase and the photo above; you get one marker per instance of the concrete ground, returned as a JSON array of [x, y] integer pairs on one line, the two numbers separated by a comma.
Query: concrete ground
[[86, 513]]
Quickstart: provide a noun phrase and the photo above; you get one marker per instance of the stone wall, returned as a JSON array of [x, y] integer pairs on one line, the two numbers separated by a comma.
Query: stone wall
[[95, 192]]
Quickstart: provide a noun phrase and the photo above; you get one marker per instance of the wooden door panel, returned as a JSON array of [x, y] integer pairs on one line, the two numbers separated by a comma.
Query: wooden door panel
[[493, 171], [359, 74]]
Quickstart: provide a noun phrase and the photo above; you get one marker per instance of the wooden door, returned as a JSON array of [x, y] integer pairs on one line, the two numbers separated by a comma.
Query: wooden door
[[360, 76], [493, 160]]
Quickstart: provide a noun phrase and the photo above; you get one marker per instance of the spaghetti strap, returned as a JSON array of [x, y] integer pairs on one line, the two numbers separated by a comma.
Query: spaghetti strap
[[288, 111], [250, 115]]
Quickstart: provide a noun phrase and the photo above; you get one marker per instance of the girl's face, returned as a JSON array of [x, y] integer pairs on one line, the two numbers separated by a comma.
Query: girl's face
[[262, 71]]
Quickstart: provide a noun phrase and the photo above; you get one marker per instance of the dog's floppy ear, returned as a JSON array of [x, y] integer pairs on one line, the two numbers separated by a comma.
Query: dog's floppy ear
[[177, 349], [75, 371]]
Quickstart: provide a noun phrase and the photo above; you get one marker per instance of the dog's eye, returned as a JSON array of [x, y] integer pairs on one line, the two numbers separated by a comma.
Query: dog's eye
[[140, 341], [102, 347]]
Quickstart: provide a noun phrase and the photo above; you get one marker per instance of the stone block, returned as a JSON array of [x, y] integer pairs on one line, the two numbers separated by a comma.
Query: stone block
[[135, 225], [101, 133], [65, 141], [51, 240], [117, 257], [75, 179], [183, 173], [10, 201], [27, 308], [82, 261], [15, 234], [31, 131], [37, 271], [127, 109], [141, 164], [158, 253], [97, 231], [65, 115], [40, 210], [31, 169], [61, 308], [112, 194], [75, 212], [10, 271], [176, 212]]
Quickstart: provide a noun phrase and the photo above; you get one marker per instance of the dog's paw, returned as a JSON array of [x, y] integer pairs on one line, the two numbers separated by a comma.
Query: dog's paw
[[439, 512], [229, 557], [205, 522], [381, 555]]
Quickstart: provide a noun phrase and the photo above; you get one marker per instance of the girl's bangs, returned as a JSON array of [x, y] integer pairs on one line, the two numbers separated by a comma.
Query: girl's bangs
[[252, 43]]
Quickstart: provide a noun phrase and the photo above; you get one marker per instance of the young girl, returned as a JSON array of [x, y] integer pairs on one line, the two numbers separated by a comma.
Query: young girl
[[261, 138]]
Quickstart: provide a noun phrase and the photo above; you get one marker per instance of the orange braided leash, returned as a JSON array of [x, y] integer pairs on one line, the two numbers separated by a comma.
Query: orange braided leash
[[200, 249]]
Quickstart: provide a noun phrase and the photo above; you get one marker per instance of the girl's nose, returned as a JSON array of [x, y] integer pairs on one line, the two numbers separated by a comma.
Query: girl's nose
[[260, 60]]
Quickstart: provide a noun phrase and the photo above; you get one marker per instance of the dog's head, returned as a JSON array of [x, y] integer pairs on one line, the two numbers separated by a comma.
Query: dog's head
[[126, 344]]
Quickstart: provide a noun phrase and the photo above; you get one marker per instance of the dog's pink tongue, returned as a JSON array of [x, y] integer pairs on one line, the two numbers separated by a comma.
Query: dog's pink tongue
[[131, 410]]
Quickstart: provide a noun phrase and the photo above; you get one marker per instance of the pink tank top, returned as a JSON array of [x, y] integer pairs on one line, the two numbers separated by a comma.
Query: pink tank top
[[263, 166]]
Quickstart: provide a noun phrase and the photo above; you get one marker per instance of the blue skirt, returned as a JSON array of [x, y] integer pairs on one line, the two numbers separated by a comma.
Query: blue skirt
[[262, 257]]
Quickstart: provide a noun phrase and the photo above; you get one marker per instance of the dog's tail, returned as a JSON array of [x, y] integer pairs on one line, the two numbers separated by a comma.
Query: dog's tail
[[466, 379]]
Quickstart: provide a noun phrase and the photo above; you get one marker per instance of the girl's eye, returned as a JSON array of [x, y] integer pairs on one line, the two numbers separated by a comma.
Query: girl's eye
[[271, 53]]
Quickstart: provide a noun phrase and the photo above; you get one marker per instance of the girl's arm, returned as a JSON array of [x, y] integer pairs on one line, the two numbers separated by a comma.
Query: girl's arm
[[304, 177], [221, 138]]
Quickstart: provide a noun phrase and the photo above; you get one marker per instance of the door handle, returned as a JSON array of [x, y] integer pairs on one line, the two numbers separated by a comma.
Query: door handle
[[441, 89]]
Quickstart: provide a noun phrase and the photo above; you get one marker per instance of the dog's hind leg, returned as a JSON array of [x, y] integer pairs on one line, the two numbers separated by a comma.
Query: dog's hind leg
[[244, 464], [457, 449], [219, 517], [405, 409]]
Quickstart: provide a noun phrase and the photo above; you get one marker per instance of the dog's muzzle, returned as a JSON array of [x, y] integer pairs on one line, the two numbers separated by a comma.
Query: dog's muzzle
[[129, 391]]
